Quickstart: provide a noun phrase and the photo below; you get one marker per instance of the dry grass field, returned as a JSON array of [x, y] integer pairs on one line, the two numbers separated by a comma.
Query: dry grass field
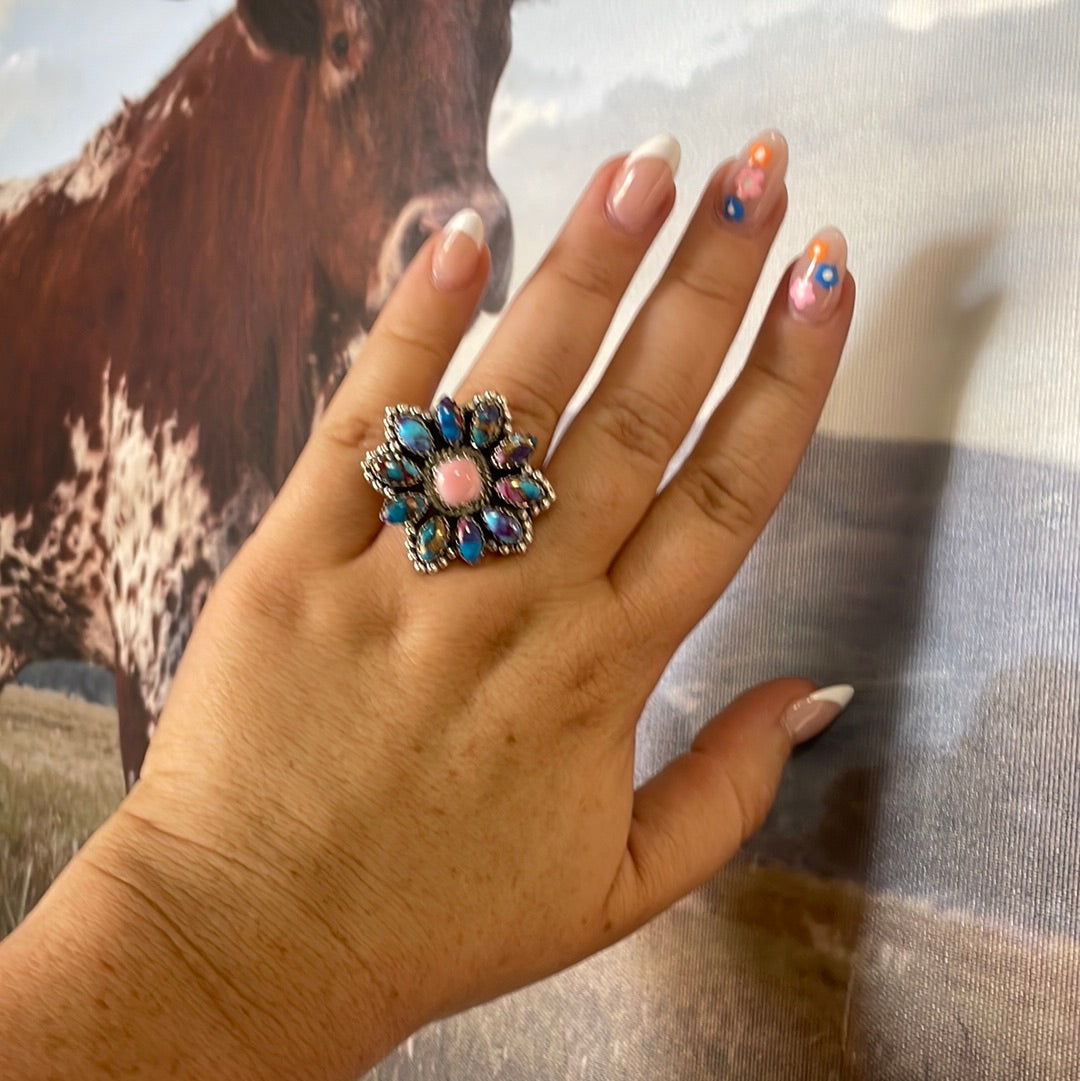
[[767, 974], [59, 779]]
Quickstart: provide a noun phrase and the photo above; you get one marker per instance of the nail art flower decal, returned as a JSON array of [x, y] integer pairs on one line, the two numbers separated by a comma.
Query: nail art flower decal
[[816, 275], [801, 293], [457, 479], [749, 183]]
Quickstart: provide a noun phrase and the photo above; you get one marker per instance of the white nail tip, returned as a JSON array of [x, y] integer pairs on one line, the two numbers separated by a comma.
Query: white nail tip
[[662, 146], [470, 223], [839, 694]]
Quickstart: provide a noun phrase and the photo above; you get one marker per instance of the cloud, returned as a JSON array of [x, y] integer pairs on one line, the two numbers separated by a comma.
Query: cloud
[[579, 58], [64, 66], [33, 88], [924, 14], [511, 117]]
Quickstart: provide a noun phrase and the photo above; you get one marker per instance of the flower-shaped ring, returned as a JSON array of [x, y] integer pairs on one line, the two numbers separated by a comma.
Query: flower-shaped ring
[[456, 478]]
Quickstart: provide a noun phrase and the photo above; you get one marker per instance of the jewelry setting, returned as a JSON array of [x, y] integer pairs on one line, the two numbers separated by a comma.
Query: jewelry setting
[[456, 477]]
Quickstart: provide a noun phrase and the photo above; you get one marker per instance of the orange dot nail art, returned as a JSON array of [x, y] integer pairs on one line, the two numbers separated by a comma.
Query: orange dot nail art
[[760, 155], [818, 250]]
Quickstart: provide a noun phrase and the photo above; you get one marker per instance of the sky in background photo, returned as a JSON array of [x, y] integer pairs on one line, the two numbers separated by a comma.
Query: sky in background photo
[[958, 194]]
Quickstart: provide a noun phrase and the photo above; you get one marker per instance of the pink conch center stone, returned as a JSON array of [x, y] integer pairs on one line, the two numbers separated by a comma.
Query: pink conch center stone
[[457, 480]]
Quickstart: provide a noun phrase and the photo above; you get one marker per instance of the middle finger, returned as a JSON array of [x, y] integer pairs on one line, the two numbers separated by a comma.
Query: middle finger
[[613, 457], [538, 356]]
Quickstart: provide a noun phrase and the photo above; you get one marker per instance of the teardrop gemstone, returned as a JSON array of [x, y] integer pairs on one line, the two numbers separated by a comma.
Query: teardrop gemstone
[[405, 506], [515, 449], [432, 540], [520, 491], [451, 422], [470, 541], [504, 527], [487, 424], [413, 434], [397, 472]]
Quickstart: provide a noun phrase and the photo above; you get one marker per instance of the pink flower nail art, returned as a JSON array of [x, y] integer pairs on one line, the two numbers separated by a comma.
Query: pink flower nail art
[[749, 183], [754, 181], [801, 293], [814, 289]]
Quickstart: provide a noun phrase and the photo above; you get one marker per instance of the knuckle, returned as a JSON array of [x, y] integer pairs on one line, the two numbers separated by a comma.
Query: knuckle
[[584, 273], [785, 384], [644, 427], [708, 287], [730, 492], [748, 800], [412, 341], [536, 403], [350, 431]]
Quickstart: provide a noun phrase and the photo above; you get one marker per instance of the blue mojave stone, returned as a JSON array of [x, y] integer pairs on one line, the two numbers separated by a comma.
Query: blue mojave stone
[[451, 422], [487, 424], [432, 541], [414, 435], [520, 491], [405, 506], [398, 472], [515, 449], [504, 527], [470, 541]]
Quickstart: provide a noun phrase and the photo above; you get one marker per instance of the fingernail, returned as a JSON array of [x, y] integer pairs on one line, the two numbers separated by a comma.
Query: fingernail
[[457, 254], [811, 715], [816, 279], [753, 182], [645, 184]]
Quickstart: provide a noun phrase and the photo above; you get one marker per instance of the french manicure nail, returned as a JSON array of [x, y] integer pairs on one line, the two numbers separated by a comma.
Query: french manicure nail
[[811, 715], [457, 254], [754, 180], [816, 279], [644, 184]]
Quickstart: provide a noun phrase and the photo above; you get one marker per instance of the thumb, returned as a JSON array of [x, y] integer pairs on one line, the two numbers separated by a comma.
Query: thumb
[[693, 816]]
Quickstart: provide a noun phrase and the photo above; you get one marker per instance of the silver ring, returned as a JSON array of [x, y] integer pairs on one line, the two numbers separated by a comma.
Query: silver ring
[[458, 479]]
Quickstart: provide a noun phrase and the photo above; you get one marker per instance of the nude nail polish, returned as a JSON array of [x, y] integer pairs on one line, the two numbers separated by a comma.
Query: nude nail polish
[[817, 278], [811, 715], [752, 183], [644, 185], [455, 258]]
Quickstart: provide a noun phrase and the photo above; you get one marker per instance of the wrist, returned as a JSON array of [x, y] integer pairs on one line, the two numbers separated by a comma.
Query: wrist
[[151, 957]]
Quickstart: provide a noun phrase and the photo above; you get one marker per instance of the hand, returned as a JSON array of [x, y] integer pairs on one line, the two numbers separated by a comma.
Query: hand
[[376, 797]]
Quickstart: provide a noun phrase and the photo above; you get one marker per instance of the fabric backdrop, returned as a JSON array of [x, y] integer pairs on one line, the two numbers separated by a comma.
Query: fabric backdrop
[[912, 907]]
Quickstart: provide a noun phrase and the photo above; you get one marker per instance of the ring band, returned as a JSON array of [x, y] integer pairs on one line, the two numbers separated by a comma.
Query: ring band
[[457, 478]]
